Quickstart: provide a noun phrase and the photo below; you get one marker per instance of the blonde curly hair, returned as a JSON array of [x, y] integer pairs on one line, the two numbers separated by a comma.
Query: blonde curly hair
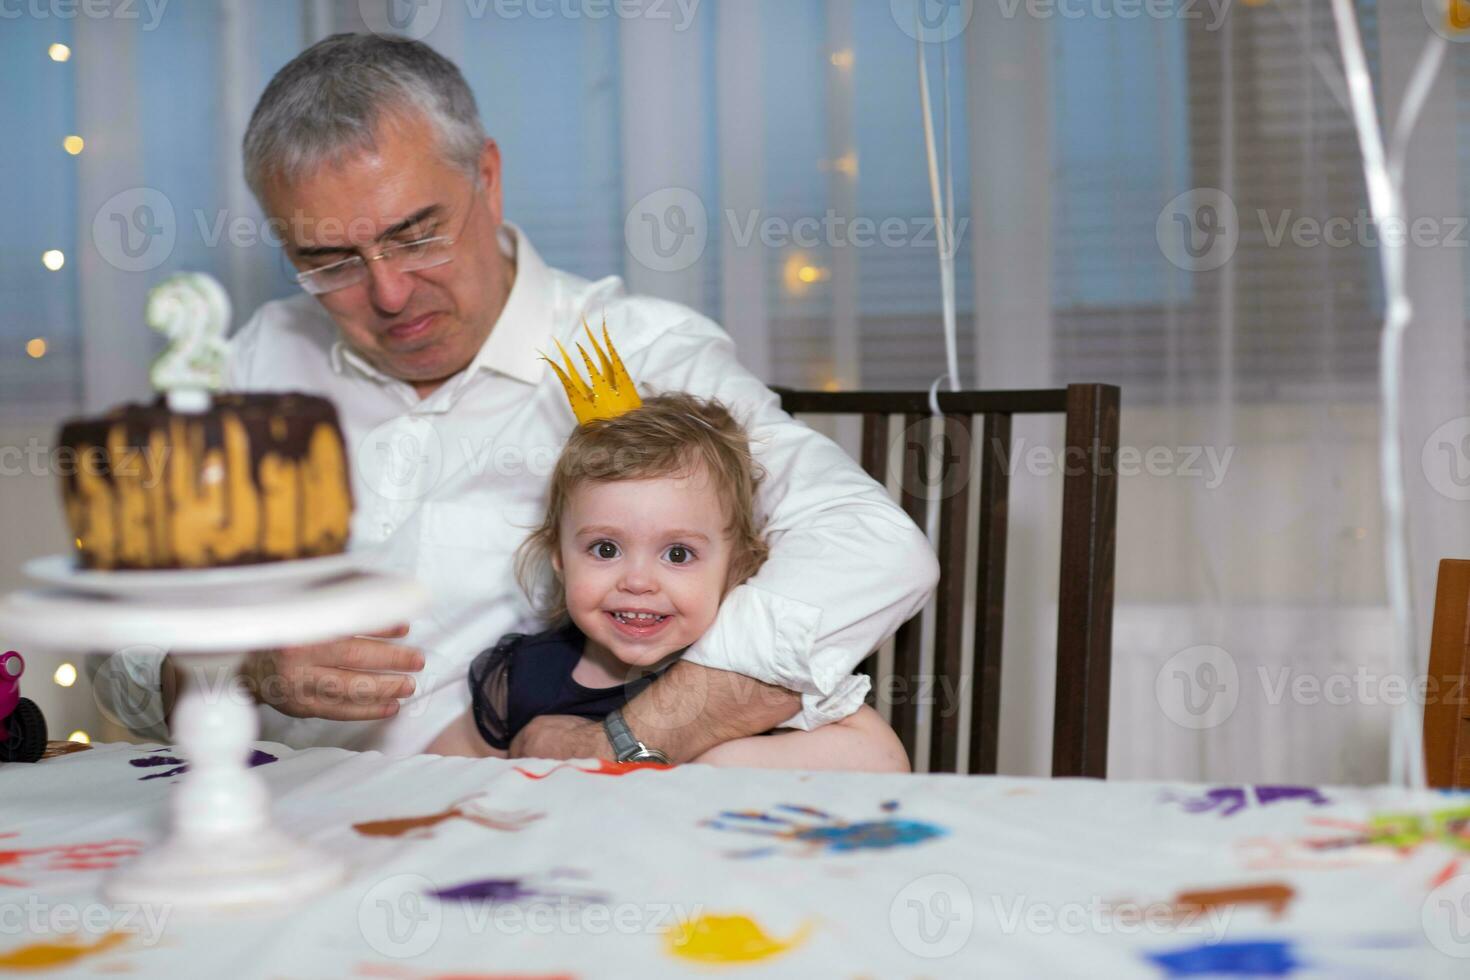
[[668, 435]]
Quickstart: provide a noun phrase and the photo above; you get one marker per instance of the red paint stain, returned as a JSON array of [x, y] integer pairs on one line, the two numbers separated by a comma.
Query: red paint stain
[[98, 856], [604, 768]]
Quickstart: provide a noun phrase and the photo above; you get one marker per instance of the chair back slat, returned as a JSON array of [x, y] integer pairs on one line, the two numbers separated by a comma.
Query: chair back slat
[[952, 484], [990, 591], [1085, 592], [1447, 706], [908, 644], [1089, 517]]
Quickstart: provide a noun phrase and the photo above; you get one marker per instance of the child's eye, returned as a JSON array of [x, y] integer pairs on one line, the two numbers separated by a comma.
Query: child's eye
[[679, 555], [604, 549]]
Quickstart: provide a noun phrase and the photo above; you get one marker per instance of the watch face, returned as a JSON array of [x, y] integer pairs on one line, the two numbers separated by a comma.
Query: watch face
[[648, 755]]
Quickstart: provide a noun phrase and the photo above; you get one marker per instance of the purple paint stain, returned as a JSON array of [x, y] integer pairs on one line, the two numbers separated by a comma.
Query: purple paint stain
[[257, 758], [486, 890], [871, 835], [1270, 794], [505, 890], [1230, 800], [1260, 959]]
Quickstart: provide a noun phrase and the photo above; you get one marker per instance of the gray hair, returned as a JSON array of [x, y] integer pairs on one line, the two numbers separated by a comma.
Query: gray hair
[[329, 100]]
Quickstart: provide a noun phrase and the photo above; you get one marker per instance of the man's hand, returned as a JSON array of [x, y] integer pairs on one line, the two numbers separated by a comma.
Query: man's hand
[[360, 678], [561, 737]]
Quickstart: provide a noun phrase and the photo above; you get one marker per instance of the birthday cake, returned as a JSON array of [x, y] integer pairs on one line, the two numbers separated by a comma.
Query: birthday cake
[[199, 479]]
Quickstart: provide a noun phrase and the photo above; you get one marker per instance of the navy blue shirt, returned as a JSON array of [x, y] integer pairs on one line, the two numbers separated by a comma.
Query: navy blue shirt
[[524, 676]]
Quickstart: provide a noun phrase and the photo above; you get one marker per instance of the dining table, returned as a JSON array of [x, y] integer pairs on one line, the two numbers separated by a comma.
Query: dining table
[[530, 868]]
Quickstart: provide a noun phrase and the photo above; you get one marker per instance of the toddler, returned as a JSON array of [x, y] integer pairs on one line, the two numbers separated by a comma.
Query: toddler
[[650, 522]]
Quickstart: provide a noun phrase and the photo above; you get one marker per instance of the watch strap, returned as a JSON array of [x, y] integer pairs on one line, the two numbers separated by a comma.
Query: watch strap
[[624, 745]]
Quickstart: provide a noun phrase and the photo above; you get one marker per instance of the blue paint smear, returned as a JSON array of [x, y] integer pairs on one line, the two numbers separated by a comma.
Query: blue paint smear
[[1259, 959], [871, 835]]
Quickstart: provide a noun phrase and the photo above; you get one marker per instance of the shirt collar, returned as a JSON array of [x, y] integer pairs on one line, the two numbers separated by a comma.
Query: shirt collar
[[522, 330]]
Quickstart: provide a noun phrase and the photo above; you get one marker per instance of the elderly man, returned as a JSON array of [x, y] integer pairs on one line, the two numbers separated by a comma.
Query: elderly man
[[422, 320]]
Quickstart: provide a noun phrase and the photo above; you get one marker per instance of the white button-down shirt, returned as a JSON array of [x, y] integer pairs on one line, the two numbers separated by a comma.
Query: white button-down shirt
[[448, 486]]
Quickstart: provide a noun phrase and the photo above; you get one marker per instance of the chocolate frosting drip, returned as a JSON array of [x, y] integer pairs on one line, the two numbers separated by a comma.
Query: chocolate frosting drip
[[260, 477]]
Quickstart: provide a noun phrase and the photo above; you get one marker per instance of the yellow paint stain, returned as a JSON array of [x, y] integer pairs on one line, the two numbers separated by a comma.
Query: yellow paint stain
[[728, 939], [59, 952]]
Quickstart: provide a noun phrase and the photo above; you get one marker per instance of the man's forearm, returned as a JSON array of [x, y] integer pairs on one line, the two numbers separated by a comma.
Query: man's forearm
[[691, 709]]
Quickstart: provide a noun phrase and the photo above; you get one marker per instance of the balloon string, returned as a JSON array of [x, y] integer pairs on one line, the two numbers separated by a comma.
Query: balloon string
[[1383, 173]]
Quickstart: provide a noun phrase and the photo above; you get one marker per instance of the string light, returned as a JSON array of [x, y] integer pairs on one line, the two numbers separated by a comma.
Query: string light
[[80, 736], [66, 675], [799, 273], [36, 347], [59, 52], [53, 259], [73, 144]]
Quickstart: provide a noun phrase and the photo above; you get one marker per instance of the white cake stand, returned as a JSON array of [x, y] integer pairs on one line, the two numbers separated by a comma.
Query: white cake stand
[[222, 848]]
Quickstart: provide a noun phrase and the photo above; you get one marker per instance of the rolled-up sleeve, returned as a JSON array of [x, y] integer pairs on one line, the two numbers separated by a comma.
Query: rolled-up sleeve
[[847, 566]]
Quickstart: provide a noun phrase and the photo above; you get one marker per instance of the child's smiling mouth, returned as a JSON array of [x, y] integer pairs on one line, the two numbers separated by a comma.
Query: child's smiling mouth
[[638, 624]]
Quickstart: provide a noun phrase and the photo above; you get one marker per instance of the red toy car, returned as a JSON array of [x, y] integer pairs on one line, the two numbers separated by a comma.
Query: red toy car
[[22, 726]]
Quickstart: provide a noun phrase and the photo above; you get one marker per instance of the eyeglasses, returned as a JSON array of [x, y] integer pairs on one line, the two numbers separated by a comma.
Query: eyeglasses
[[414, 256]]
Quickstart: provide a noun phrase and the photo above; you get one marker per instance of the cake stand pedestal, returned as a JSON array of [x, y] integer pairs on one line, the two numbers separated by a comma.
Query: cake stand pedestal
[[222, 848]]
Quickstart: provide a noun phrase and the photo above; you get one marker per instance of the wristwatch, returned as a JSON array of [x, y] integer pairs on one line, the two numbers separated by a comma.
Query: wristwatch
[[625, 745]]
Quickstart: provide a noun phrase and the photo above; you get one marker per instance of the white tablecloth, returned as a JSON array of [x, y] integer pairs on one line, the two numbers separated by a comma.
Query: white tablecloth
[[534, 869]]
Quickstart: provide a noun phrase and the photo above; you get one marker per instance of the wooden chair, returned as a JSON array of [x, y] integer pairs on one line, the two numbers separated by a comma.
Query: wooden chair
[[1089, 522], [1447, 702]]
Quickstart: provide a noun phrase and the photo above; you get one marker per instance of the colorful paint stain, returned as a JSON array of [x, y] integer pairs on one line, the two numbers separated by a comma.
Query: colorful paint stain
[[423, 826], [1275, 896], [257, 758], [728, 939], [55, 749], [1275, 958], [1230, 800], [515, 891], [603, 768], [97, 856], [1385, 837], [53, 954], [818, 831]]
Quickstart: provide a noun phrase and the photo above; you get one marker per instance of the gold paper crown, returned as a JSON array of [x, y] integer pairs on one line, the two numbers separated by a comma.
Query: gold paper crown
[[610, 392]]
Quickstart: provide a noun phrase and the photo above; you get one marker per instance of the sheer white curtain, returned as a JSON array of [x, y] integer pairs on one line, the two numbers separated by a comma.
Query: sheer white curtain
[[767, 142]]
